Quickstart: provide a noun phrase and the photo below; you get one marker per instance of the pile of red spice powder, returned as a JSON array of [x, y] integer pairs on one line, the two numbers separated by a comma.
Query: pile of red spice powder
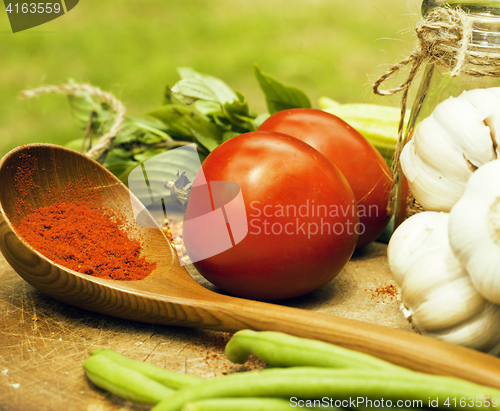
[[79, 234], [83, 239]]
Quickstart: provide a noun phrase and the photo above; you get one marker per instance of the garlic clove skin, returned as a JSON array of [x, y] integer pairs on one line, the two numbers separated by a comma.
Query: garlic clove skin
[[424, 275], [436, 290], [404, 242], [479, 332], [493, 120], [448, 305], [433, 189], [432, 145], [465, 124], [474, 230], [449, 145]]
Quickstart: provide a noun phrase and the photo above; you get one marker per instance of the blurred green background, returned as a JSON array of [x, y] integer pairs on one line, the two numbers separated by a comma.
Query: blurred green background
[[332, 48]]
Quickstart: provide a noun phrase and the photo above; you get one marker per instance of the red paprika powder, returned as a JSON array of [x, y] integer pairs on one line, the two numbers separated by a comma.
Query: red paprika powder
[[75, 230], [82, 239]]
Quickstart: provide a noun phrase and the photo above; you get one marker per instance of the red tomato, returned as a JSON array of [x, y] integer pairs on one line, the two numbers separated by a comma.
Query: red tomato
[[363, 166], [298, 210]]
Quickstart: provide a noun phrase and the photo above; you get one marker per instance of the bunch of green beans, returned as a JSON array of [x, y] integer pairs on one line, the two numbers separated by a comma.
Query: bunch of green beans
[[134, 380], [283, 350], [300, 370]]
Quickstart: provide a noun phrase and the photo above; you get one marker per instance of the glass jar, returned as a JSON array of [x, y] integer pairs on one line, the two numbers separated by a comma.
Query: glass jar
[[437, 84]]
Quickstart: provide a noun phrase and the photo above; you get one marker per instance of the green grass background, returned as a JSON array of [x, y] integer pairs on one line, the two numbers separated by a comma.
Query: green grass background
[[332, 48]]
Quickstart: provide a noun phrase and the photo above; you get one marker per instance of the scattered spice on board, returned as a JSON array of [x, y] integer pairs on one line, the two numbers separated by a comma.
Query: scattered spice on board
[[389, 292], [208, 349]]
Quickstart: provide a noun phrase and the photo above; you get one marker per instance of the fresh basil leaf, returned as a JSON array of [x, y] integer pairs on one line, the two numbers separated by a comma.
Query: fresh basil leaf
[[239, 114], [186, 72], [243, 99], [118, 154], [147, 138], [118, 160], [189, 90], [279, 96], [144, 155], [220, 120], [120, 169], [240, 122], [207, 142], [123, 176], [124, 138], [208, 108], [172, 115], [168, 98], [190, 125], [206, 133], [83, 105], [202, 87], [153, 127]]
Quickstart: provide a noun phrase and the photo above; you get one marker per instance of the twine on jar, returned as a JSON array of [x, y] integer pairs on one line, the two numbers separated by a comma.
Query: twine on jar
[[444, 37], [105, 143]]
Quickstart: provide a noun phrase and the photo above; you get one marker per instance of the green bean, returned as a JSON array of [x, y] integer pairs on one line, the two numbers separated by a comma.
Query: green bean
[[315, 383], [124, 382], [283, 350], [240, 404], [168, 378]]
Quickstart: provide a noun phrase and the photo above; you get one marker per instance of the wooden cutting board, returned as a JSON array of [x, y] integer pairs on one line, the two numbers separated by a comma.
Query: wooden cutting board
[[43, 342]]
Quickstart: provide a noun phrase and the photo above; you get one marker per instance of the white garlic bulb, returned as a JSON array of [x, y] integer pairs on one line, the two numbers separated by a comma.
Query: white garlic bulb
[[474, 230], [436, 290], [448, 146]]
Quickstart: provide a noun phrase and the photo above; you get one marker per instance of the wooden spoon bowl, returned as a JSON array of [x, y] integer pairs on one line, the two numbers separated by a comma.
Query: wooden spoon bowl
[[170, 296]]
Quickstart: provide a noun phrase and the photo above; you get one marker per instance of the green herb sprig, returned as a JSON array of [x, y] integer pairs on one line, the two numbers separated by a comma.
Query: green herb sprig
[[199, 109]]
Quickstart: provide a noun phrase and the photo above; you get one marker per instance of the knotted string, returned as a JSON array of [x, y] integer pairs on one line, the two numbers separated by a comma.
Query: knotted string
[[444, 38], [105, 143]]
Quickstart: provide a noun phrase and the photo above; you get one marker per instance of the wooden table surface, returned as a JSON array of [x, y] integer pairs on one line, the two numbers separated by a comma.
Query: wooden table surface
[[43, 342]]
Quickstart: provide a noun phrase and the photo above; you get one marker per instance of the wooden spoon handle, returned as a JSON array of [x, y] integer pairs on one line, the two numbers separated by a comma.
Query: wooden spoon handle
[[403, 348]]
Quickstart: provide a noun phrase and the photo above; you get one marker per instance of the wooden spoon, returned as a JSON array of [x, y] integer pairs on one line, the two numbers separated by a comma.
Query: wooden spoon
[[170, 296]]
